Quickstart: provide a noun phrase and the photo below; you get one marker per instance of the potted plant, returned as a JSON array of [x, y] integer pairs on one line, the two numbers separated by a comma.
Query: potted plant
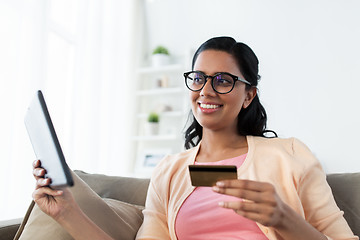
[[152, 125], [160, 56]]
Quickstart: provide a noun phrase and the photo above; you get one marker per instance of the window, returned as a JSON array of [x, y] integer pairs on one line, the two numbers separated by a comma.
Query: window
[[74, 51]]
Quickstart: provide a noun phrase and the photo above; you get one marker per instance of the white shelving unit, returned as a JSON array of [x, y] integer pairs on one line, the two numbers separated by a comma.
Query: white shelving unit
[[162, 90]]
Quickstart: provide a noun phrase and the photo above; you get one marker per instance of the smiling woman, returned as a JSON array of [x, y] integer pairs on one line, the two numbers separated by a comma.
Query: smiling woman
[[68, 49], [280, 191]]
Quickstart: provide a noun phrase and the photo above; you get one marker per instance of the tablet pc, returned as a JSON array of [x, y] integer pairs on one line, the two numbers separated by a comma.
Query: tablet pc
[[45, 142]]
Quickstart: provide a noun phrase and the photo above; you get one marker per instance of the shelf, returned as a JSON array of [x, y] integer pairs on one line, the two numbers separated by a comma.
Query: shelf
[[152, 95], [154, 138], [158, 91], [167, 68], [163, 114]]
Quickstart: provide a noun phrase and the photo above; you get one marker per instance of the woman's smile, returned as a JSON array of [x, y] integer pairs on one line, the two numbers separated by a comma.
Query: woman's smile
[[209, 107]]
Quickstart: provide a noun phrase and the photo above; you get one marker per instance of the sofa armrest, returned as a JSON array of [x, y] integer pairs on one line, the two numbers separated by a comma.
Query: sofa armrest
[[9, 228]]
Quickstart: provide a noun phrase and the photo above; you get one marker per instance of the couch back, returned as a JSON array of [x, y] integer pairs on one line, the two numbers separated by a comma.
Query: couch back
[[345, 188], [346, 191]]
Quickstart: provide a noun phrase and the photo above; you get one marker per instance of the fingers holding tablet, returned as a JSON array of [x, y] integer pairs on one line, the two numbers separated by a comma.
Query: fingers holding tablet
[[39, 175], [38, 171]]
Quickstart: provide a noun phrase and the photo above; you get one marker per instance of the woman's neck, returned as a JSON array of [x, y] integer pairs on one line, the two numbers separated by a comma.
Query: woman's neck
[[220, 145]]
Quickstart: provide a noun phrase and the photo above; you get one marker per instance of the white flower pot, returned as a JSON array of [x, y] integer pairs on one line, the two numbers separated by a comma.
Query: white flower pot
[[158, 60], [151, 128]]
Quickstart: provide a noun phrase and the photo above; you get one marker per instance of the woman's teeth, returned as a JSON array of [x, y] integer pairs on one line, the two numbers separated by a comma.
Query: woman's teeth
[[209, 106]]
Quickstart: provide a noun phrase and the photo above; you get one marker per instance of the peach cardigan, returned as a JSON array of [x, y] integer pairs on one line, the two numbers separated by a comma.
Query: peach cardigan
[[286, 163]]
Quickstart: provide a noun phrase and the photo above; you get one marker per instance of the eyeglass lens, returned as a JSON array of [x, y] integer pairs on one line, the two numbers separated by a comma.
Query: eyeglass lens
[[221, 83]]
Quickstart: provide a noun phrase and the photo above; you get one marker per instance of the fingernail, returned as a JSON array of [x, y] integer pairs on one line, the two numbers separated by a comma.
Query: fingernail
[[220, 184], [221, 204], [216, 189]]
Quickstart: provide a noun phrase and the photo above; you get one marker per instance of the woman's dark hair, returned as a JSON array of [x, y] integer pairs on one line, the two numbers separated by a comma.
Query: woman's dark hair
[[251, 120]]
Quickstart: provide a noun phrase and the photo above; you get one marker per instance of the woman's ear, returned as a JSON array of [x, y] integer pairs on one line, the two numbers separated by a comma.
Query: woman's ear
[[249, 96]]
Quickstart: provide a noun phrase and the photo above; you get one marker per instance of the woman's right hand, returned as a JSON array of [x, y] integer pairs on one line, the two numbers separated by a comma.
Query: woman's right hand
[[55, 203], [61, 205]]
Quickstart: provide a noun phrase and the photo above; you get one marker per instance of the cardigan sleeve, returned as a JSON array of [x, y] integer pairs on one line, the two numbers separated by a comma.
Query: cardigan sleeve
[[155, 218], [155, 224], [316, 197]]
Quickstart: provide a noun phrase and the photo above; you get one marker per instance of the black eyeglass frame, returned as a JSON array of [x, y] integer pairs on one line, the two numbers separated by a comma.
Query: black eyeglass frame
[[235, 78]]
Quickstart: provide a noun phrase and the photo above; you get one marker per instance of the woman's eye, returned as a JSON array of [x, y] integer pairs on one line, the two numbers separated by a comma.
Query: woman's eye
[[198, 80], [222, 81]]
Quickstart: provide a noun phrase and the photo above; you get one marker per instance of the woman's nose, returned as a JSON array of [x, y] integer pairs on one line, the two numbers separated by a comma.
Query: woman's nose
[[207, 90]]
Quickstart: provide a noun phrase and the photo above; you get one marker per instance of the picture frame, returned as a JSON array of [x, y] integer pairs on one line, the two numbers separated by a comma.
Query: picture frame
[[148, 159]]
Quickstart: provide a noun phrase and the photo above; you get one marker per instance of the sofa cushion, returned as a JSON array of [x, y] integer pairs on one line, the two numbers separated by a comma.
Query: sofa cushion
[[34, 226], [8, 228], [130, 190], [346, 191], [119, 219]]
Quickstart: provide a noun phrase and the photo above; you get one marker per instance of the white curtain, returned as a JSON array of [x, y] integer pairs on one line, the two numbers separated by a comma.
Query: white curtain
[[80, 53]]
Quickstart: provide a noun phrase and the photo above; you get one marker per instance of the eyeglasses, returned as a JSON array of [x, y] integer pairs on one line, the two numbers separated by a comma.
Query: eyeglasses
[[221, 82]]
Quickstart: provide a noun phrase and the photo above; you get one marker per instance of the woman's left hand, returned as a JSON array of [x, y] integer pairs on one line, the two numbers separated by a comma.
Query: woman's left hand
[[258, 201]]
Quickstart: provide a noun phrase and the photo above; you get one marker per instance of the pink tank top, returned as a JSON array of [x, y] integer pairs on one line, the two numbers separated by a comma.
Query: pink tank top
[[200, 217]]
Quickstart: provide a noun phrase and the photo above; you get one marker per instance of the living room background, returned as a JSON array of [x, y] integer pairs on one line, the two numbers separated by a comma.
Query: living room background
[[84, 55]]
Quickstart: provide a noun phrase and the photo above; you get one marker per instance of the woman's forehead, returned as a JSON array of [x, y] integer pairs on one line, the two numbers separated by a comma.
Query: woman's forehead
[[214, 61]]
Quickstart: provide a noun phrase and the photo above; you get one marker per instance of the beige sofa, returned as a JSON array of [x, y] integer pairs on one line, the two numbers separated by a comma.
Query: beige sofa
[[345, 187]]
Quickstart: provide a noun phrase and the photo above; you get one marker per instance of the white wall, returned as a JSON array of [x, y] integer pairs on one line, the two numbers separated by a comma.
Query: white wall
[[309, 60]]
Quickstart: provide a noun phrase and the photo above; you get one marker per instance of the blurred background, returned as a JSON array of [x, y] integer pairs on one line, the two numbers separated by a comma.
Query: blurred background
[[93, 60]]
